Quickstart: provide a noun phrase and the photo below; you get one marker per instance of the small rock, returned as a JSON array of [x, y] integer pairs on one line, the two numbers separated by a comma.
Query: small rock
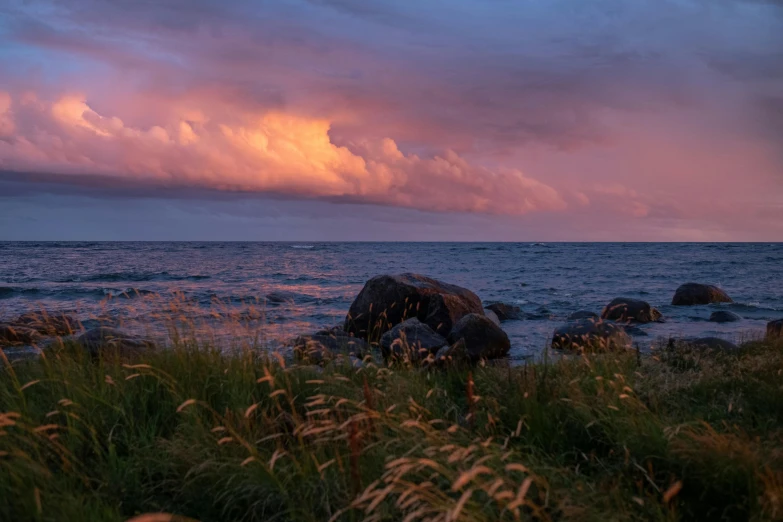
[[724, 316], [708, 343], [583, 314], [492, 316], [775, 329], [698, 294], [48, 324], [319, 349], [483, 339], [591, 335], [411, 340], [12, 335], [99, 340], [506, 312], [625, 309]]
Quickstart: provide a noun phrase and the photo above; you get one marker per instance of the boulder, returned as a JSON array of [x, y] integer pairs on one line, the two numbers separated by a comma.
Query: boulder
[[506, 312], [13, 335], [698, 294], [411, 340], [319, 349], [388, 300], [625, 309], [775, 329], [102, 339], [482, 338], [48, 324], [583, 314], [492, 316], [724, 316], [590, 335]]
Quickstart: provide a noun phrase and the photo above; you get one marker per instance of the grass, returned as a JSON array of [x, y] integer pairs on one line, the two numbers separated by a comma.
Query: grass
[[210, 436]]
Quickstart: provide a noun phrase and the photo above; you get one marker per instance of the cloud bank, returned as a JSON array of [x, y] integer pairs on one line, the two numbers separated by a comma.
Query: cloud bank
[[661, 115]]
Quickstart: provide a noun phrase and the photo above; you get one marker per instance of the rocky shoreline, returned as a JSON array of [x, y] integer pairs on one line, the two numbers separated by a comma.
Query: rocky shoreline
[[414, 319]]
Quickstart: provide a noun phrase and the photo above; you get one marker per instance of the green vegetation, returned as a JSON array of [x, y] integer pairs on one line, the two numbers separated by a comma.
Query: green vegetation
[[211, 436]]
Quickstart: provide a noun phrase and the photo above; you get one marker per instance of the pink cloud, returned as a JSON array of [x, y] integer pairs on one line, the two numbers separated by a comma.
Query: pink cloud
[[272, 151]]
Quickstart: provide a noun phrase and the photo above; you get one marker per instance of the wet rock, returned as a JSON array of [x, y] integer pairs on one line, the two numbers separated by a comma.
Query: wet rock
[[104, 339], [590, 335], [48, 324], [698, 294], [319, 349], [388, 300], [482, 338], [625, 309], [583, 314], [506, 312], [775, 329], [492, 316], [411, 340], [13, 335], [724, 316]]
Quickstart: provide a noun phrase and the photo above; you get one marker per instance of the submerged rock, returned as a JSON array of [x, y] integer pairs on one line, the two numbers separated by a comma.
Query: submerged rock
[[625, 309], [506, 312], [282, 297], [411, 340], [698, 294], [12, 335], [583, 314], [388, 300], [724, 316], [102, 339], [590, 335], [775, 329], [482, 338]]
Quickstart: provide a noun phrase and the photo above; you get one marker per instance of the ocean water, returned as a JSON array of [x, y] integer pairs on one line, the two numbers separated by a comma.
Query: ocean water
[[220, 289]]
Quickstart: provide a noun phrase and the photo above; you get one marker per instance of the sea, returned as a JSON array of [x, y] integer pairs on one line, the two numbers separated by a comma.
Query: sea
[[262, 295]]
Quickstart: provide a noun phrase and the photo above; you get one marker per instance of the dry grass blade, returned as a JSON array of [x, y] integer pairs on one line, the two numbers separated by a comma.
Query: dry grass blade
[[672, 492]]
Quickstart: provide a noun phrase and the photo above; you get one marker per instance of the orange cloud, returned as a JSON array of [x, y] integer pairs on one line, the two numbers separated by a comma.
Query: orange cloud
[[269, 152]]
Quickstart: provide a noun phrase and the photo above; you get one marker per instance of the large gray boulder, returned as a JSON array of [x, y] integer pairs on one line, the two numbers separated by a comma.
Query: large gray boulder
[[724, 316], [590, 335], [319, 349], [411, 340], [625, 310], [698, 294], [388, 300], [480, 337], [506, 312], [13, 335], [103, 339], [775, 329], [47, 324]]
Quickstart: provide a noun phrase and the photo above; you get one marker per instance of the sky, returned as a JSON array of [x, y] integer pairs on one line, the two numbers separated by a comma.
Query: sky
[[426, 120]]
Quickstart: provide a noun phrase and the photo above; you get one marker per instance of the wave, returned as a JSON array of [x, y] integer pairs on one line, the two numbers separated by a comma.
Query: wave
[[126, 293], [116, 277], [307, 247]]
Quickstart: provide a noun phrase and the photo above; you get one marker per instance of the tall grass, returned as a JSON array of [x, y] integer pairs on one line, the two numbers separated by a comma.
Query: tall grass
[[213, 436]]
